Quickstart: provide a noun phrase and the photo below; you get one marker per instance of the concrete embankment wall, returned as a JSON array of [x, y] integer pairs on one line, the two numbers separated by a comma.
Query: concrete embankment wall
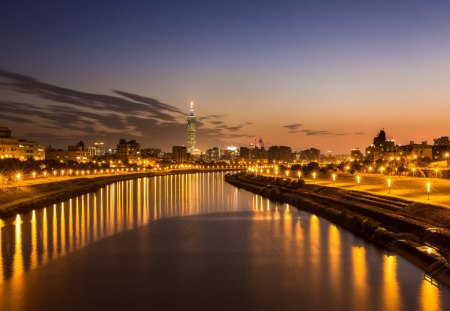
[[386, 226]]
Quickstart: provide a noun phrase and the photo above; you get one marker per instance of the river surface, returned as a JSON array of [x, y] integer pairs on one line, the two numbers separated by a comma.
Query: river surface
[[193, 241]]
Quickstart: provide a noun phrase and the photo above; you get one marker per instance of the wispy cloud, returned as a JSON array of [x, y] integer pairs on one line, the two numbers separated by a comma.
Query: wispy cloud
[[293, 127], [51, 114]]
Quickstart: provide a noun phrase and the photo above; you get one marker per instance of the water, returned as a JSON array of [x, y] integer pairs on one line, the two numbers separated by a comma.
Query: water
[[126, 241]]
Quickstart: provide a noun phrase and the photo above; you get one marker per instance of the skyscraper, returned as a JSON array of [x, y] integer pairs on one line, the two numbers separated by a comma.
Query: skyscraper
[[191, 130]]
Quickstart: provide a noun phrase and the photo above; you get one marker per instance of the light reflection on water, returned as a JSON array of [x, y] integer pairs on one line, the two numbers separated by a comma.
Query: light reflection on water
[[348, 271], [35, 238]]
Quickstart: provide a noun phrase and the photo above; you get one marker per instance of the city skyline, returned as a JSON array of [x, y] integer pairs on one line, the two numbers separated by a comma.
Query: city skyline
[[299, 74], [167, 120]]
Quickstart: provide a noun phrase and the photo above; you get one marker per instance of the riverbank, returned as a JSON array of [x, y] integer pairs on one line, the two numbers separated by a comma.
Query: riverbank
[[38, 195], [419, 232]]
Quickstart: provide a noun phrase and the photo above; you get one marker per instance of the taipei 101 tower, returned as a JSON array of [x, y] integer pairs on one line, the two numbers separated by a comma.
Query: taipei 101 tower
[[191, 130]]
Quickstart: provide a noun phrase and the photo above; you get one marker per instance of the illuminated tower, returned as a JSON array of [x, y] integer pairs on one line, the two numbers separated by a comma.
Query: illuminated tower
[[192, 124]]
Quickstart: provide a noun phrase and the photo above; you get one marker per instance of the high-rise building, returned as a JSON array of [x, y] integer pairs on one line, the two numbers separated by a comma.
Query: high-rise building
[[179, 153], [128, 150], [99, 148], [279, 153], [192, 124]]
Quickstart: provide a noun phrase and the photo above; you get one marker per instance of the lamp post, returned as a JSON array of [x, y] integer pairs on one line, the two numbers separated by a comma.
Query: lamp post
[[389, 185], [428, 190], [18, 175]]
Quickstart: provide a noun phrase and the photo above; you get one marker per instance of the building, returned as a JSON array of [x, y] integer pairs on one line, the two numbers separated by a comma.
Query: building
[[128, 150], [441, 148], [78, 153], [213, 154], [151, 153], [381, 147], [230, 153], [179, 153], [30, 149], [422, 150], [192, 131], [279, 153], [356, 154], [311, 154], [100, 149], [9, 146], [244, 153]]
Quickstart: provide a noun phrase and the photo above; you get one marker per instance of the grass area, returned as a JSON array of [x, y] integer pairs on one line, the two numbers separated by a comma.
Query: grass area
[[411, 188]]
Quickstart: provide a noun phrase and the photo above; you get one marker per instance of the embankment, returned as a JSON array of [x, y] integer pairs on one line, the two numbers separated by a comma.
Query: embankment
[[29, 197], [418, 232]]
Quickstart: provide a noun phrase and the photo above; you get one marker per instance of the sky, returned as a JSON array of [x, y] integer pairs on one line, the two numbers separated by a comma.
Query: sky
[[324, 74]]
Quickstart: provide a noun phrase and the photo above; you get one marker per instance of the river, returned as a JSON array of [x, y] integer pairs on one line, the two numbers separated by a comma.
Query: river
[[192, 241]]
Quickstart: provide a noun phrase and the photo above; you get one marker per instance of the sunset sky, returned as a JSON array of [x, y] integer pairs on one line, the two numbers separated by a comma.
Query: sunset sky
[[300, 73]]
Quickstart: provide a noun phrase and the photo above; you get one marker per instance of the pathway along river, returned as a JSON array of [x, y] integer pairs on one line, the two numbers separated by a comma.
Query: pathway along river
[[184, 241]]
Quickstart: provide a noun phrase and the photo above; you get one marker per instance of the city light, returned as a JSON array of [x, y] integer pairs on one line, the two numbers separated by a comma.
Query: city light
[[333, 177], [389, 185], [358, 180], [428, 190], [314, 174]]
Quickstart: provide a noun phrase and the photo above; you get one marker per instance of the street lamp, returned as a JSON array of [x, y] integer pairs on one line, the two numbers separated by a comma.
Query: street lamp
[[314, 174], [428, 190], [389, 185], [358, 180], [18, 179], [334, 178], [299, 174]]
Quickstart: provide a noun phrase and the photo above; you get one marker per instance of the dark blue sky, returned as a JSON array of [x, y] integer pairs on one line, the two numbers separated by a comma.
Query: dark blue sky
[[333, 66]]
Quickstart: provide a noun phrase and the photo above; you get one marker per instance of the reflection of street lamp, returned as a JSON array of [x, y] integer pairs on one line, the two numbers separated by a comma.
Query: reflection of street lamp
[[428, 189], [389, 185]]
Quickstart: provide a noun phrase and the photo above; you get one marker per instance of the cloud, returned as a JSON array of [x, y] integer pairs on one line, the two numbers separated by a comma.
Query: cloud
[[293, 127], [60, 116], [318, 133]]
